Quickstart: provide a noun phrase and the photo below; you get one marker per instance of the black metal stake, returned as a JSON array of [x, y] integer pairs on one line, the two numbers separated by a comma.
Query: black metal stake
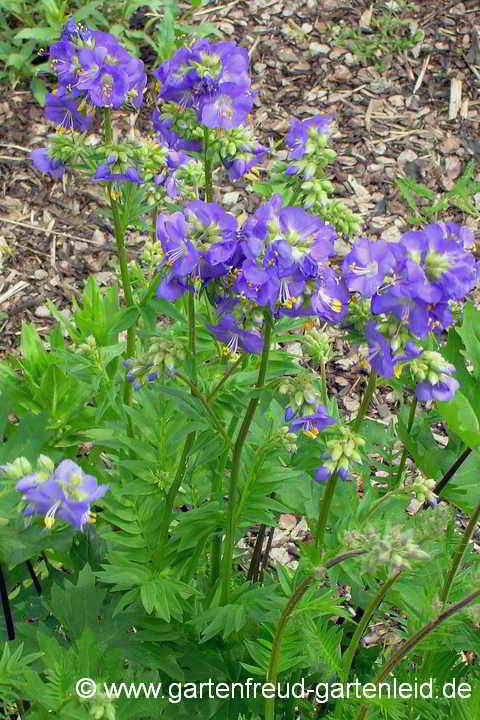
[[7, 611]]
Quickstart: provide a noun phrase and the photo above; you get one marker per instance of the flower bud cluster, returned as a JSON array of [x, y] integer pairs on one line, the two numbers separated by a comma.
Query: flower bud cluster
[[162, 357], [318, 346], [303, 396], [340, 216], [102, 707], [423, 488], [434, 377], [343, 449], [287, 439], [396, 548]]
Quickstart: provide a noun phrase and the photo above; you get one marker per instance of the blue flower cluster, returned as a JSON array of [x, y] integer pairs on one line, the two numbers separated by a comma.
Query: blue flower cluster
[[210, 78], [413, 283], [92, 70], [65, 492], [91, 65], [276, 261]]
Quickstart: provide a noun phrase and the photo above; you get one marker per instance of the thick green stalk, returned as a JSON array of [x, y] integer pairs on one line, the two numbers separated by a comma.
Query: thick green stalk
[[217, 485], [208, 168], [372, 381], [458, 557], [325, 505], [272, 672], [225, 377], [122, 259], [172, 493], [324, 383], [190, 439], [349, 654], [192, 336], [236, 461], [411, 418], [398, 656]]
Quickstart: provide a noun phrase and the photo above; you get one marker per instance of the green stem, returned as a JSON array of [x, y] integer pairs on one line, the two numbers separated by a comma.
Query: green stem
[[324, 383], [372, 381], [190, 439], [325, 505], [225, 377], [458, 557], [362, 625], [236, 460], [411, 418], [196, 393], [272, 672], [217, 485], [208, 168], [192, 338], [123, 261], [414, 640]]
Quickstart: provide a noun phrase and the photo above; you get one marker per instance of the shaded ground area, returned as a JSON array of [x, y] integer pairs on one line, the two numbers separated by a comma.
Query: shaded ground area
[[414, 112]]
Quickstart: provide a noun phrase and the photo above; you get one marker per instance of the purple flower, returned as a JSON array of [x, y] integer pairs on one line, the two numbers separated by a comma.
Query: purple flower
[[170, 138], [62, 110], [379, 350], [311, 425], [365, 267], [298, 135], [213, 79], [331, 298], [236, 339], [67, 493], [94, 64], [401, 301], [42, 161], [322, 474], [247, 157], [104, 173], [442, 391]]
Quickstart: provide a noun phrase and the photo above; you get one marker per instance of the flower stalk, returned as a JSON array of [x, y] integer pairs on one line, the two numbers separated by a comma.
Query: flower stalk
[[458, 557], [273, 666], [367, 398], [403, 459], [236, 460], [398, 656]]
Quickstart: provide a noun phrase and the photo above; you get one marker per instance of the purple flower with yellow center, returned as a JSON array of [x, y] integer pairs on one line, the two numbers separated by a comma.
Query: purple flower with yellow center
[[311, 425], [213, 79], [94, 64], [67, 493], [330, 300], [45, 163], [199, 242], [62, 110], [247, 157], [365, 267], [234, 338]]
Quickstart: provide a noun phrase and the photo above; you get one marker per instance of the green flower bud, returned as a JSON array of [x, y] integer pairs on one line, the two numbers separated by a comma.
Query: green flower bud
[[18, 468]]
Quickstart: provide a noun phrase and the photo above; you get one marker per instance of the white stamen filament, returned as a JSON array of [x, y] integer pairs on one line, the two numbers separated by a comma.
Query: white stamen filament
[[50, 515]]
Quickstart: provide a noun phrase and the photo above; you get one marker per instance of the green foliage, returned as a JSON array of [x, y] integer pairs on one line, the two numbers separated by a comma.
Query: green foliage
[[390, 34], [460, 196]]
